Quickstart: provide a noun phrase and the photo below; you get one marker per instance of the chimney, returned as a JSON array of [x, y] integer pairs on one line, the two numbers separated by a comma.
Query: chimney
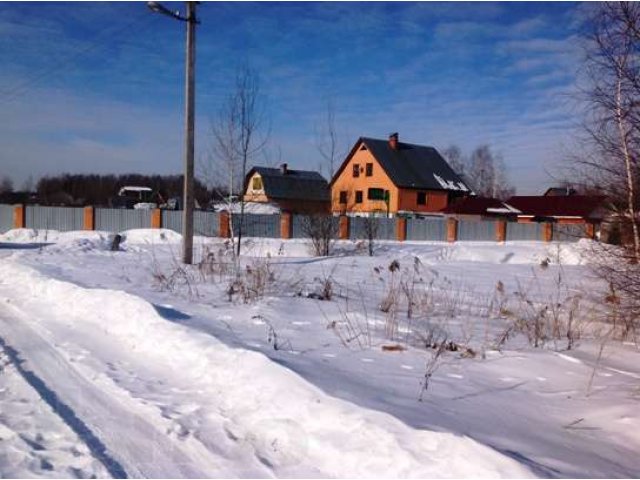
[[283, 169], [393, 141]]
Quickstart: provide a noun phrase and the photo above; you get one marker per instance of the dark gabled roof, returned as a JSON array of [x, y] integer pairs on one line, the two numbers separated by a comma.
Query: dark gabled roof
[[480, 206], [585, 206], [292, 185], [412, 166], [559, 192]]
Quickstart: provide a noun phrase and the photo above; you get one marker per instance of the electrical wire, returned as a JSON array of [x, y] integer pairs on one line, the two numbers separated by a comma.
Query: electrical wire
[[24, 87]]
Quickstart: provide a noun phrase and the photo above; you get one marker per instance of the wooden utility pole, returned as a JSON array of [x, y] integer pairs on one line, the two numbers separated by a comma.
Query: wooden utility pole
[[190, 92]]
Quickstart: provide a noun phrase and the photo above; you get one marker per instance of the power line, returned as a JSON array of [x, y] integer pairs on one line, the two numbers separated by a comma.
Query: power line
[[23, 88]]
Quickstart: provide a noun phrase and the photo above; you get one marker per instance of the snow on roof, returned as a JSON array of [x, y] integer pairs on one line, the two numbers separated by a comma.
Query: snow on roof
[[135, 189]]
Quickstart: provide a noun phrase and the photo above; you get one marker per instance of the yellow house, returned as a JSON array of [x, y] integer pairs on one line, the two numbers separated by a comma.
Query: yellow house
[[296, 191], [389, 177]]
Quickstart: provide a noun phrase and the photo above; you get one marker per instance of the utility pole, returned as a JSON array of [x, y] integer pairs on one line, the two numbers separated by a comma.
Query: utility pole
[[190, 92], [187, 214]]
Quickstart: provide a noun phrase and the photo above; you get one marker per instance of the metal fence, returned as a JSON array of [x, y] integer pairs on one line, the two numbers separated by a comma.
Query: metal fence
[[63, 219], [257, 225], [524, 231], [434, 229], [120, 219], [172, 220], [6, 218], [568, 233], [300, 225], [378, 227], [476, 231], [206, 223]]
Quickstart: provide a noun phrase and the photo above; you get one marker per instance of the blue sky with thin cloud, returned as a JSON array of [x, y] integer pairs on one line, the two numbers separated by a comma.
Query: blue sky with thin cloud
[[98, 87]]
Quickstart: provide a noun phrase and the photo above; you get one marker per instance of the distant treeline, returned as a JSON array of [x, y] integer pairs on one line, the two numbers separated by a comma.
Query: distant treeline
[[97, 190]]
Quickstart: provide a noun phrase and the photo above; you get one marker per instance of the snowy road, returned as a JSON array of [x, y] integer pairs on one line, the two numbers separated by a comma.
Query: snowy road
[[105, 423], [150, 398]]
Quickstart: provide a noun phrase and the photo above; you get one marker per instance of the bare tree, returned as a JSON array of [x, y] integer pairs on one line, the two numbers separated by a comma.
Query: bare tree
[[456, 160], [322, 230], [608, 161], [28, 185], [487, 172], [612, 124], [240, 133], [6, 184], [327, 142]]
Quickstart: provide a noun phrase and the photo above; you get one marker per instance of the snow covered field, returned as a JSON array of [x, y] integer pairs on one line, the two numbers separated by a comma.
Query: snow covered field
[[127, 364]]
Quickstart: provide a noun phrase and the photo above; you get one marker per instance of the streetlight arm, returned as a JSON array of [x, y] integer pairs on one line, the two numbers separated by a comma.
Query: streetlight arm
[[159, 8]]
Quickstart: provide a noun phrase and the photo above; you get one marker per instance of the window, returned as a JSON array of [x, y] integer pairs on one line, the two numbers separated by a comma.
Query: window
[[369, 170], [257, 183], [343, 197], [375, 194], [422, 198], [359, 196], [356, 170]]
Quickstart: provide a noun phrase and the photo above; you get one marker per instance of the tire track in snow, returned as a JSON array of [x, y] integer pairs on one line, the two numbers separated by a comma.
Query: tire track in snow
[[115, 435], [68, 416]]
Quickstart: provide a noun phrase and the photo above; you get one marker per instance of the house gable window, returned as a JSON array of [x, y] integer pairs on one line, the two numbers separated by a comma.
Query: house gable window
[[359, 196], [356, 170], [343, 197], [369, 170], [256, 183], [422, 198]]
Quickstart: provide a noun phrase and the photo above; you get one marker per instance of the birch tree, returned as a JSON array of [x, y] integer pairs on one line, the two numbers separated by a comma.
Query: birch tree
[[240, 133]]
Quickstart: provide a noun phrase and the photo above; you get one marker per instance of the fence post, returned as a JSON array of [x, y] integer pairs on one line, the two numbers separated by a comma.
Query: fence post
[[452, 230], [590, 230], [343, 231], [223, 227], [501, 230], [286, 225], [19, 218], [88, 220], [156, 218], [547, 232], [401, 229]]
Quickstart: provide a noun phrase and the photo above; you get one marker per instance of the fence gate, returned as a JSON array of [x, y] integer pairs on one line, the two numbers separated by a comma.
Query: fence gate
[[379, 228], [524, 231], [257, 225], [119, 219], [63, 219], [476, 230], [433, 229]]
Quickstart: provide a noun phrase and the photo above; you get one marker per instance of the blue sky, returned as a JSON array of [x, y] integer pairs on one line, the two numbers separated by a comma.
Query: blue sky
[[98, 87]]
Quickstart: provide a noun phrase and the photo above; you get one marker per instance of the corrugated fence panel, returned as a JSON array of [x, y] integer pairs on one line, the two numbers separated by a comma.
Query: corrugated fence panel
[[120, 219], [380, 228], [476, 231], [568, 233], [300, 227], [257, 225], [433, 229], [206, 223], [63, 219], [524, 231], [172, 220], [6, 218]]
